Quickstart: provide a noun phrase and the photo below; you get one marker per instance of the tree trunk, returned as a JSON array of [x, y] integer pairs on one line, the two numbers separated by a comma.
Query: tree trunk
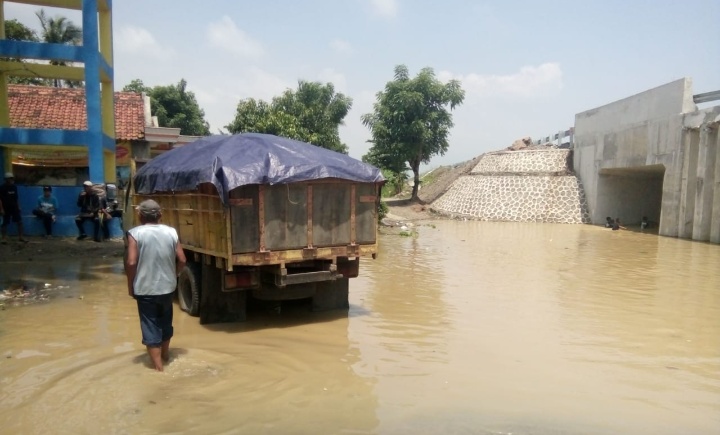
[[415, 166]]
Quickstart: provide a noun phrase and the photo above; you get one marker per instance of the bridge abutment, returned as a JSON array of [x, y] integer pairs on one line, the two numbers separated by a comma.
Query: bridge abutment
[[653, 154]]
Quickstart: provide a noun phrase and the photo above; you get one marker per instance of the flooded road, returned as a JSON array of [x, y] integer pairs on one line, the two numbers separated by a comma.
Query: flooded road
[[467, 328]]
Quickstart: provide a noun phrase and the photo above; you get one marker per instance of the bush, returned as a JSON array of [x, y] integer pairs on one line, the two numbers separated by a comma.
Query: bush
[[395, 183], [382, 210]]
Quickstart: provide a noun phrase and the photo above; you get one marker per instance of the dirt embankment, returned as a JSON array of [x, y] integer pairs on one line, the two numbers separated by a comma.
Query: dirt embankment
[[433, 185]]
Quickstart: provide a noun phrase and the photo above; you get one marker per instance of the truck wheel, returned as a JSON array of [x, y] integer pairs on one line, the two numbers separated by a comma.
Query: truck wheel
[[189, 289]]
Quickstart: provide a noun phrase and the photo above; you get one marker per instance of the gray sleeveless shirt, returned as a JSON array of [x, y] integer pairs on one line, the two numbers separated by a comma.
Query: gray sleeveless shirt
[[156, 273]]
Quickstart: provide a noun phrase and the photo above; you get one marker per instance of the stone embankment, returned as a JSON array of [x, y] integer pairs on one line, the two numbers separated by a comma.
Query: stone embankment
[[518, 186]]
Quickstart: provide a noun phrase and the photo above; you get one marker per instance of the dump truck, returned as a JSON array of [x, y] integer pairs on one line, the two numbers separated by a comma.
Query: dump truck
[[264, 217]]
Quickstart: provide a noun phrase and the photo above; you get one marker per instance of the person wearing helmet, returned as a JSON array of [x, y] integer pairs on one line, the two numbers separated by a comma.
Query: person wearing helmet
[[10, 207]]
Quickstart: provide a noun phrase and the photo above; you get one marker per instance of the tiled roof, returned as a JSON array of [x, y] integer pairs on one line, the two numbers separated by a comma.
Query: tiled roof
[[64, 108]]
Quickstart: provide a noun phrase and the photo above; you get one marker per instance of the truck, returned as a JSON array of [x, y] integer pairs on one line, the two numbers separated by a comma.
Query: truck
[[265, 217]]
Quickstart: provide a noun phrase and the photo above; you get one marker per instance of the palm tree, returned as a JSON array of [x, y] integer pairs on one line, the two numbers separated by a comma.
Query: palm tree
[[60, 30]]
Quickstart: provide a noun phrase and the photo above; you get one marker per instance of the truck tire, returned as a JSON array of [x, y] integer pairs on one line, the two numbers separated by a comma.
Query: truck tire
[[189, 289]]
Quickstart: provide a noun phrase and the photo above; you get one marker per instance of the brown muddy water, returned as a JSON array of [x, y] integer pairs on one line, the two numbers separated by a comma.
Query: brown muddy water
[[467, 328]]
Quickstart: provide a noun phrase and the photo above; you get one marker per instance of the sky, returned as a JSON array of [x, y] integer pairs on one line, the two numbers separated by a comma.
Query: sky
[[527, 67]]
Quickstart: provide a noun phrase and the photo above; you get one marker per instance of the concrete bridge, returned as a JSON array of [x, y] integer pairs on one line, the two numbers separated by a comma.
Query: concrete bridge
[[653, 154]]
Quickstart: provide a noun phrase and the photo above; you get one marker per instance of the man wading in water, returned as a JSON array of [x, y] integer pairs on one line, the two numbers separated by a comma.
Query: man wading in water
[[154, 260]]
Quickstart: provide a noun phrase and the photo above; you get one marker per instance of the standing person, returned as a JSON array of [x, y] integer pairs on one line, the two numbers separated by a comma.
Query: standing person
[[46, 209], [10, 207], [89, 203], [154, 260]]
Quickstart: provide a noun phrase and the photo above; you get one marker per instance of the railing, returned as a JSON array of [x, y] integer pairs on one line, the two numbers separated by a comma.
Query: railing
[[706, 97], [562, 139]]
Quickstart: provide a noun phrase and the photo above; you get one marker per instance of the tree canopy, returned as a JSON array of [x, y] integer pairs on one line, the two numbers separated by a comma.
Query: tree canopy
[[411, 121], [312, 113], [174, 107], [60, 30], [17, 31]]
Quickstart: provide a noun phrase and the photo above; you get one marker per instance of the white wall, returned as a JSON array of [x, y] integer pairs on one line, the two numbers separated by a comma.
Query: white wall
[[661, 126]]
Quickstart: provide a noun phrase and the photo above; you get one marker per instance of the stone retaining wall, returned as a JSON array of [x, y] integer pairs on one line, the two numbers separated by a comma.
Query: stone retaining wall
[[523, 162], [520, 186]]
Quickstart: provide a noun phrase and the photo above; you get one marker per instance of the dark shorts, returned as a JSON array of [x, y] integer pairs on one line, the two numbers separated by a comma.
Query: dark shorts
[[13, 215], [156, 313]]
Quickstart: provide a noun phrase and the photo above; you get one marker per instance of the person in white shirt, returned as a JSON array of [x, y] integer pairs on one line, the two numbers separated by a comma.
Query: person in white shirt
[[153, 261]]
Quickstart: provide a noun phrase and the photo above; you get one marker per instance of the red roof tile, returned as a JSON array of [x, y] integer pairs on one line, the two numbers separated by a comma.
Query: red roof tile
[[64, 108]]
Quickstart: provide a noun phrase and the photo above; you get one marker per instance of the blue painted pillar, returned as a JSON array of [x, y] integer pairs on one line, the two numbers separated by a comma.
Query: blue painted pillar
[[91, 55]]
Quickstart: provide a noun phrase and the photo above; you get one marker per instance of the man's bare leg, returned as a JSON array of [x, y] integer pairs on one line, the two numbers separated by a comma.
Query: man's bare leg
[[155, 353], [165, 350]]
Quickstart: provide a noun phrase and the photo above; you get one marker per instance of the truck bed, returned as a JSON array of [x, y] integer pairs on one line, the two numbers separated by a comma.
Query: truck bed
[[284, 223]]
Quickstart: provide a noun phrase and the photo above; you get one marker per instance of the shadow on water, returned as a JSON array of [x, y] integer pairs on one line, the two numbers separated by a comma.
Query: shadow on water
[[288, 314]]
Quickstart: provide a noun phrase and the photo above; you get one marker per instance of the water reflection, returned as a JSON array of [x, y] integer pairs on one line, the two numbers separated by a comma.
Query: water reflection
[[409, 316], [470, 327]]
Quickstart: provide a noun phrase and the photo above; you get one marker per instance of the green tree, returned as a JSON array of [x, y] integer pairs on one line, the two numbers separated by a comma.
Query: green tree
[[411, 122], [312, 113], [17, 31], [60, 30], [174, 107], [138, 86]]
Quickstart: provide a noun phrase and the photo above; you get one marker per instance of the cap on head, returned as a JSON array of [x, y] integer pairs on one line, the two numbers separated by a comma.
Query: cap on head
[[47, 189], [149, 208], [87, 183], [9, 175]]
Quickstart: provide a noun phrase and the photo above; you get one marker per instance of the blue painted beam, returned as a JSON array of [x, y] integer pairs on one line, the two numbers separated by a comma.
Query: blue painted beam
[[41, 136], [40, 50]]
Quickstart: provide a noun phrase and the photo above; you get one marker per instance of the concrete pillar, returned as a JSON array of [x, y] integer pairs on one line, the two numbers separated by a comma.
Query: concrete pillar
[[91, 54], [5, 159], [705, 184], [4, 106], [715, 221], [690, 145], [109, 167]]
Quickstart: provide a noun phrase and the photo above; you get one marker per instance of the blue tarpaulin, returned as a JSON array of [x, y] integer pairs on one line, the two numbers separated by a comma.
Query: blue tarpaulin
[[249, 158]]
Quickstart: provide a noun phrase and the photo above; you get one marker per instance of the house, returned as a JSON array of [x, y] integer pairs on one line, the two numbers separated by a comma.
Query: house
[[137, 139]]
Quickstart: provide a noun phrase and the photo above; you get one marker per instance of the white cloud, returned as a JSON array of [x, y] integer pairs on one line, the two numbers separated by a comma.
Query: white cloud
[[336, 78], [226, 35], [219, 95], [354, 133], [341, 46], [528, 82], [140, 42], [385, 8]]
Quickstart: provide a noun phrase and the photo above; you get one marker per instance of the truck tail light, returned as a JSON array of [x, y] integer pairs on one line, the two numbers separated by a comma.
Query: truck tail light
[[240, 280]]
